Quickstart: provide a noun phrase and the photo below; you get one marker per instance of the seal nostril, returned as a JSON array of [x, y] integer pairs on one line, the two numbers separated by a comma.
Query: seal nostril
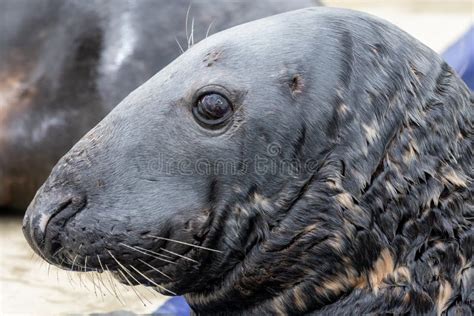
[[46, 218], [44, 223]]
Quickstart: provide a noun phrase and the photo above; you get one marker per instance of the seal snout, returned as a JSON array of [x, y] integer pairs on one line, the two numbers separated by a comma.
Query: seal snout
[[45, 218]]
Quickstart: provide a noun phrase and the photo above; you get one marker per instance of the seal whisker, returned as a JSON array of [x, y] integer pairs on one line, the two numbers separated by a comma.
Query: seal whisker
[[69, 277], [128, 272], [88, 277], [129, 283], [99, 277], [146, 287], [153, 252], [181, 256], [134, 279], [142, 252], [62, 261], [191, 36], [124, 286], [152, 267], [209, 28], [81, 282], [71, 281], [57, 270], [114, 288], [73, 262], [185, 243], [85, 270], [102, 281], [79, 269], [101, 293], [151, 281], [186, 22], [180, 47], [56, 253]]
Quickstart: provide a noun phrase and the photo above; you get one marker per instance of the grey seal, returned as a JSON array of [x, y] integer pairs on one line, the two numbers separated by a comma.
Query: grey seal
[[369, 209]]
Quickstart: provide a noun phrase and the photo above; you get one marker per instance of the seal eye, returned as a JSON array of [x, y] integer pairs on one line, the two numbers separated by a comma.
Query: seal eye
[[212, 110]]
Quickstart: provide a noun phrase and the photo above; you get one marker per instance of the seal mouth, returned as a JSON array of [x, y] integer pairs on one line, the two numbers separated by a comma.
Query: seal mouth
[[56, 223], [156, 269], [158, 258]]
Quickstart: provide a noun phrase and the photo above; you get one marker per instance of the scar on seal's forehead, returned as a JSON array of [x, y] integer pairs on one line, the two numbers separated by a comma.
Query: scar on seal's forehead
[[212, 57]]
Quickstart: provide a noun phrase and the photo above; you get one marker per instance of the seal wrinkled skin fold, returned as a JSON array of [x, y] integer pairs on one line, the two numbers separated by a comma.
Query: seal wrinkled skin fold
[[381, 223]]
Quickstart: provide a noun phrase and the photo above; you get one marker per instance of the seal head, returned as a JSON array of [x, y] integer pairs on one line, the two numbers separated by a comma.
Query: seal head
[[314, 161]]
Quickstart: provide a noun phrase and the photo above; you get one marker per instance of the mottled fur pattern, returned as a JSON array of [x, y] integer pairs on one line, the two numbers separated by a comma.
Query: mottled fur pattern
[[386, 228]]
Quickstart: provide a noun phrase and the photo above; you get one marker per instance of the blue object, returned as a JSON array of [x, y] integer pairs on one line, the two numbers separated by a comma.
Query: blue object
[[175, 306], [460, 56]]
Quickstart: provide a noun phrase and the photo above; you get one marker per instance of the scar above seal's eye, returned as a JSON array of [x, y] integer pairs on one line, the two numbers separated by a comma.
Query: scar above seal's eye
[[212, 110]]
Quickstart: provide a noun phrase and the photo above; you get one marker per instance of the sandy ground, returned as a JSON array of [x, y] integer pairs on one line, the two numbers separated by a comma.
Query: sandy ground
[[27, 288], [437, 24]]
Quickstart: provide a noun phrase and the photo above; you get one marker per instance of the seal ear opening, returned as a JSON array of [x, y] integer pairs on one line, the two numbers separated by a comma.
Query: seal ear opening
[[296, 84]]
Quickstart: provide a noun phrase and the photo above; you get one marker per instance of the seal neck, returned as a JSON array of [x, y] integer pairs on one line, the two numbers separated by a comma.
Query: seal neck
[[283, 257]]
